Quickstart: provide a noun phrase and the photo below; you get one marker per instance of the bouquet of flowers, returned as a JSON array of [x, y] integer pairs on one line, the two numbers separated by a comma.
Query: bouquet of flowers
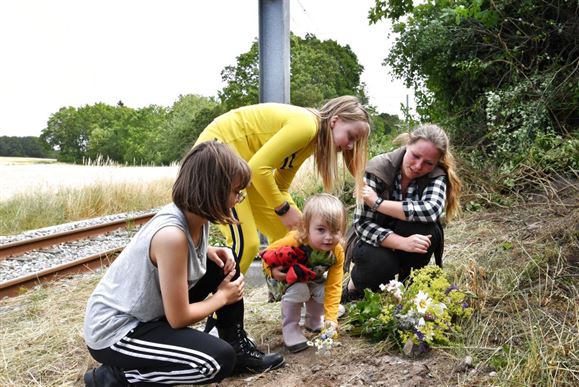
[[422, 313]]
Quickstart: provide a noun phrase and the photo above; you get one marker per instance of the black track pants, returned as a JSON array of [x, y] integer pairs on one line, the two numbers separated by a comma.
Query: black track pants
[[154, 353], [378, 265]]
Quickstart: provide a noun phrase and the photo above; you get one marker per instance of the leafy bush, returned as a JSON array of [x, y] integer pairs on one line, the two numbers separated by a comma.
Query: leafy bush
[[501, 75]]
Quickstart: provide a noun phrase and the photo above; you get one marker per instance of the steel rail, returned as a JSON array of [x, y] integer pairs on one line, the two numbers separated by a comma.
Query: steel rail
[[20, 247]]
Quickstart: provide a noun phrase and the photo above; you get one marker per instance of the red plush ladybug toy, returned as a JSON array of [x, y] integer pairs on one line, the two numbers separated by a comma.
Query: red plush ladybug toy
[[292, 258]]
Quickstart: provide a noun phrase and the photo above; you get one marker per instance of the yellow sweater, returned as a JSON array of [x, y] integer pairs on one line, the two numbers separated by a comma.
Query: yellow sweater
[[333, 284], [275, 139]]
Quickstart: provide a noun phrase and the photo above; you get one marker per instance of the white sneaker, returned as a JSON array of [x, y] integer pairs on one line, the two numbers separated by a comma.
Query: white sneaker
[[341, 310]]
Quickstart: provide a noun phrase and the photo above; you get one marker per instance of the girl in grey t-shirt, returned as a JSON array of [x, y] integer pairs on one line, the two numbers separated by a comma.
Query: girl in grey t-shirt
[[167, 278]]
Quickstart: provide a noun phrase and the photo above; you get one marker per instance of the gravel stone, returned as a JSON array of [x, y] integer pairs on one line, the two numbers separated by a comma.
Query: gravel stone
[[38, 260]]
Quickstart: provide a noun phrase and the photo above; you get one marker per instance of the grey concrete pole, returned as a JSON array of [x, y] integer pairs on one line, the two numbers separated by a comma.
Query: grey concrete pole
[[274, 51]]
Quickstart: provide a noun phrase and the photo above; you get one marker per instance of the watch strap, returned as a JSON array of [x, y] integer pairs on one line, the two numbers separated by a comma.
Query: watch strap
[[377, 203], [283, 210]]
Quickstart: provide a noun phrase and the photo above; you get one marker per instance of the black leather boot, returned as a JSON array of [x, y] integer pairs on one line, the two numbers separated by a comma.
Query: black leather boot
[[249, 358], [350, 295], [105, 376]]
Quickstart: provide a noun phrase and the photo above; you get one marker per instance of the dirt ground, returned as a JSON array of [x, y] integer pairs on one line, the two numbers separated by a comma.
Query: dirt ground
[[354, 362]]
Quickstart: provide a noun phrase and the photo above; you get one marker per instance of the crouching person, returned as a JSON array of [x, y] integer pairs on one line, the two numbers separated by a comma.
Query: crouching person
[[309, 263], [167, 278]]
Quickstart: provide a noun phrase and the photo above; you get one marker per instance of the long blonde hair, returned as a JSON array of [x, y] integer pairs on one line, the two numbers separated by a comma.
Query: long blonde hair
[[437, 136], [348, 108]]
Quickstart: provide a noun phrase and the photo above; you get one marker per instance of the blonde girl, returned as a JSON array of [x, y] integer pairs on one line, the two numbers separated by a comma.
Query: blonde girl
[[275, 139]]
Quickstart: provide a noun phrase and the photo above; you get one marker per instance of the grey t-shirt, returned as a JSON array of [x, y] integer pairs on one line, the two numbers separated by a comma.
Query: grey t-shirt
[[129, 292]]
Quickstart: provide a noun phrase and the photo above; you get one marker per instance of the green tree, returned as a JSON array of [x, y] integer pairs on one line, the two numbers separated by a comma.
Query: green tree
[[68, 134], [497, 73], [144, 137], [109, 131], [11, 146], [181, 128], [320, 70], [34, 147], [242, 80], [385, 127]]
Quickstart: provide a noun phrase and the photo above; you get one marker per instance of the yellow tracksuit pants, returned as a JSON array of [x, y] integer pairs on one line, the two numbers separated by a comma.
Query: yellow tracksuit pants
[[253, 215]]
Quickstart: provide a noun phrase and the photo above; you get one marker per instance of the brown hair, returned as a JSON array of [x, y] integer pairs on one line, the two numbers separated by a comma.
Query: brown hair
[[207, 176], [437, 136], [330, 208], [348, 108]]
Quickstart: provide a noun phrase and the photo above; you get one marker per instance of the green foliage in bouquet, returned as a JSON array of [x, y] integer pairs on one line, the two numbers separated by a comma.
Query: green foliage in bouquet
[[425, 311]]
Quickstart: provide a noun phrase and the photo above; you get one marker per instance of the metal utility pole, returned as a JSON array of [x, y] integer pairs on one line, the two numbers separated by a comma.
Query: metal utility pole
[[274, 51]]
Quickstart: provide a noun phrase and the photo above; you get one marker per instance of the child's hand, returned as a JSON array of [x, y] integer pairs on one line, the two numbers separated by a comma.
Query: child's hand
[[331, 324], [232, 290], [278, 274], [223, 257]]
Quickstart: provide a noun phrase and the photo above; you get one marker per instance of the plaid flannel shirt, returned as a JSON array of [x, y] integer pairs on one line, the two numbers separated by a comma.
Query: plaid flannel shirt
[[425, 209]]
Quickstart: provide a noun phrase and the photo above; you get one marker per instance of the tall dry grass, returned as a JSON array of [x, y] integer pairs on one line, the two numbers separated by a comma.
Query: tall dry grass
[[32, 210], [307, 182], [522, 266]]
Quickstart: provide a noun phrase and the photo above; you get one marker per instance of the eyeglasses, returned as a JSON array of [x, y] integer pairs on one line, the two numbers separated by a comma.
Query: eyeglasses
[[240, 196]]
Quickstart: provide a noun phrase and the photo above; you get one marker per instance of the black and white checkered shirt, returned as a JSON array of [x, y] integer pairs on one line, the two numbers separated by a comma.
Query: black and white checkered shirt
[[426, 208]]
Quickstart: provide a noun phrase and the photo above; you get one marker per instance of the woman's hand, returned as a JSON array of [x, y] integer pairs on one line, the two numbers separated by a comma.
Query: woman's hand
[[223, 257], [292, 218], [231, 291], [278, 274], [416, 243], [369, 195]]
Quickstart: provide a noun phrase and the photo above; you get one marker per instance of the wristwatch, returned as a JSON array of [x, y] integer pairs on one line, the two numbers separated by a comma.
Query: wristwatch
[[283, 210], [377, 203]]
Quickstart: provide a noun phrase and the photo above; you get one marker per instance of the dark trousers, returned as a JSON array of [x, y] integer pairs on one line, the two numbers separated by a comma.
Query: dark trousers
[[378, 265], [154, 353]]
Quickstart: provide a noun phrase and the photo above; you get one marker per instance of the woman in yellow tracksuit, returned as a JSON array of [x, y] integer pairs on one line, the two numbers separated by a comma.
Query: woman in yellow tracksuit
[[275, 139]]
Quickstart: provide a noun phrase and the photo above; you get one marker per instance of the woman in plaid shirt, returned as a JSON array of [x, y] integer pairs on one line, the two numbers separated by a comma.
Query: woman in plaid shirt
[[407, 192]]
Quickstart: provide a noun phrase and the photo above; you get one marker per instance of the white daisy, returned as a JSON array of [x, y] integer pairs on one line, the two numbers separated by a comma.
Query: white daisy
[[422, 302]]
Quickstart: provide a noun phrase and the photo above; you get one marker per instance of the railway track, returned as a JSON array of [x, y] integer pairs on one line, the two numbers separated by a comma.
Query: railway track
[[13, 287]]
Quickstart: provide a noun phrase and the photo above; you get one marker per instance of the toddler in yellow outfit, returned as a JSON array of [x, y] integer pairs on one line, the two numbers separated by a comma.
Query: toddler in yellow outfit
[[314, 256]]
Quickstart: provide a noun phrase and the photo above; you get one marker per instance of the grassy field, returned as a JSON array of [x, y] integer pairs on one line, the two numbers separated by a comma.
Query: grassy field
[[521, 262], [35, 195], [24, 161]]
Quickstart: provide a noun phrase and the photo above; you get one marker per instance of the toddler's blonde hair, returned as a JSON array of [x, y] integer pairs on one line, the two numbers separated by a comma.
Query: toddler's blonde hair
[[331, 210]]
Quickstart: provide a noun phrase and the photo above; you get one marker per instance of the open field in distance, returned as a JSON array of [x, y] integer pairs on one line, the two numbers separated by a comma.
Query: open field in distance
[[24, 175], [24, 160]]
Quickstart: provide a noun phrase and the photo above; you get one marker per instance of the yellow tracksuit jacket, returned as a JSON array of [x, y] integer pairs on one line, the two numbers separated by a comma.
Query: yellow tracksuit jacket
[[275, 139]]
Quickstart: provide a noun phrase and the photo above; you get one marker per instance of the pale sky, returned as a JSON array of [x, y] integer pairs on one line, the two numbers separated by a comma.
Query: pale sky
[[61, 53]]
